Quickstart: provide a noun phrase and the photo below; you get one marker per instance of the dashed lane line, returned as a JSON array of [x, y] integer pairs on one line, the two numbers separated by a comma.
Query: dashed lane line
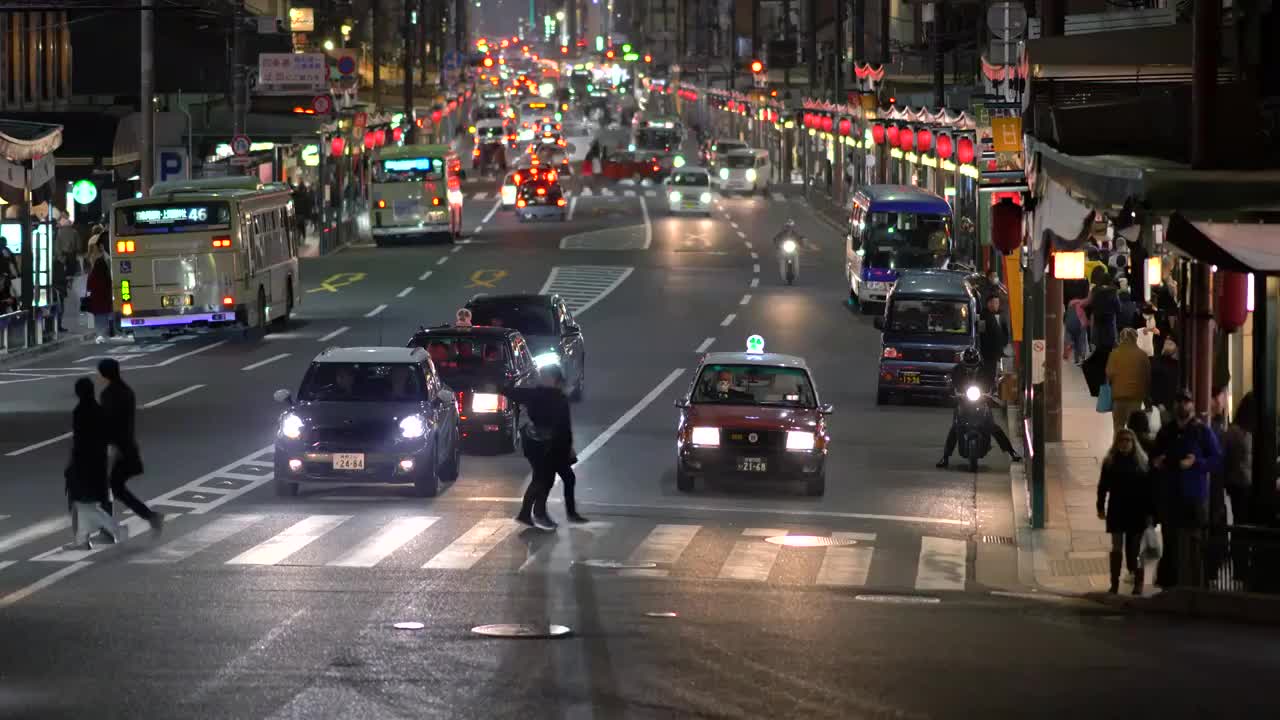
[[164, 399], [745, 299], [755, 268], [728, 320], [424, 276], [268, 361], [743, 235], [755, 282], [702, 347], [492, 211], [648, 227], [405, 292], [755, 255], [573, 205], [458, 248], [443, 260], [334, 334], [374, 312]]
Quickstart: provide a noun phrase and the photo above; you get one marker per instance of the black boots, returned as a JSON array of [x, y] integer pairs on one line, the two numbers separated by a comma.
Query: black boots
[[1116, 560], [1137, 580]]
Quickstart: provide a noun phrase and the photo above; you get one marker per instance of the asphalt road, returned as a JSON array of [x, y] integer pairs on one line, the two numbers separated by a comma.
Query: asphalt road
[[252, 606]]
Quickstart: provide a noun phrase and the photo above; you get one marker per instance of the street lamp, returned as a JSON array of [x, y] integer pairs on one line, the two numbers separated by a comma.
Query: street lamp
[[328, 45]]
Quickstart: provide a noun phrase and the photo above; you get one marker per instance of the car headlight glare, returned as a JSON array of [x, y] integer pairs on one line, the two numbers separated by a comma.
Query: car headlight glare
[[705, 436], [705, 198], [678, 161], [972, 393], [675, 196], [413, 427], [542, 360], [724, 173], [751, 175], [291, 426], [801, 440]]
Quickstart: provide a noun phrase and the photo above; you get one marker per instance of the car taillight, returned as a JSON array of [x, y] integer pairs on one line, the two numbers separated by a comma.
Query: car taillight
[[560, 202], [520, 203], [125, 247], [459, 398], [126, 309], [475, 152], [892, 353], [222, 242], [382, 204], [228, 301], [542, 191], [435, 201]]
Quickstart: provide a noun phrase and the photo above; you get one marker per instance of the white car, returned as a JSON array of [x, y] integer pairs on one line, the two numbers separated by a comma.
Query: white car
[[689, 191], [579, 138], [744, 170], [509, 189]]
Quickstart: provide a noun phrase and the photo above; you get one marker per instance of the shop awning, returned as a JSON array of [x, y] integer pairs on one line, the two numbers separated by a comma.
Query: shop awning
[[23, 140], [1239, 246]]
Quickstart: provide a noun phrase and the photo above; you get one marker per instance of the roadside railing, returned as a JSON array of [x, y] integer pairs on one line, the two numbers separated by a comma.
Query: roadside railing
[[1243, 558], [14, 333]]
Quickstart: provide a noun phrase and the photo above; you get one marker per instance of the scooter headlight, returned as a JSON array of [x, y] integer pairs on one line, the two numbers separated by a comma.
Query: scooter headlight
[[788, 246], [724, 173], [972, 393]]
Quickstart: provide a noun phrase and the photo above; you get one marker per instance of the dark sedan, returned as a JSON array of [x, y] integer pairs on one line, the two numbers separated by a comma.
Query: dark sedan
[[545, 322]]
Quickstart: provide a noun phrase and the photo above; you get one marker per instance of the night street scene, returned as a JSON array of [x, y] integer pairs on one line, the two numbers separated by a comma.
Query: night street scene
[[631, 359]]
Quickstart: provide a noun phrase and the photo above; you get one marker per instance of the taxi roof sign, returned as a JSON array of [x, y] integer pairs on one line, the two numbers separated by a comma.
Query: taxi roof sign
[[755, 344]]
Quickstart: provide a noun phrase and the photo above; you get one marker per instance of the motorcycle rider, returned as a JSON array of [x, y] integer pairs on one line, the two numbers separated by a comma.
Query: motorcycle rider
[[969, 372], [788, 234]]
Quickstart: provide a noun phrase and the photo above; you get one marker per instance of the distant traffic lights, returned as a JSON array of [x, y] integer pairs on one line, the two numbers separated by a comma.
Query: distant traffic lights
[[564, 49], [757, 67], [648, 58], [609, 54], [488, 62]]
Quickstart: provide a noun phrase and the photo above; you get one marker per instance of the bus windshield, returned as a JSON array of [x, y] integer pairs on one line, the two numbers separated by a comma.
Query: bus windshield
[[906, 240], [418, 169], [172, 217]]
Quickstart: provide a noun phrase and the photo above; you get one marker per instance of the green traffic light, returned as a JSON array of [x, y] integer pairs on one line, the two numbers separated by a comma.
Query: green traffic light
[[626, 47]]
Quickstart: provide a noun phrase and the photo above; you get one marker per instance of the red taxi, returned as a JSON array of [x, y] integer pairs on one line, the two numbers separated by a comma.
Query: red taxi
[[752, 416]]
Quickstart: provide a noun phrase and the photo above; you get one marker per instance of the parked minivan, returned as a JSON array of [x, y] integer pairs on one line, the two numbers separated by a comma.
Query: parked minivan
[[930, 318]]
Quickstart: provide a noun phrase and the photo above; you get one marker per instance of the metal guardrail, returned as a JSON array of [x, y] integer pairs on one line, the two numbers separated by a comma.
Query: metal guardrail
[[1242, 558], [17, 333]]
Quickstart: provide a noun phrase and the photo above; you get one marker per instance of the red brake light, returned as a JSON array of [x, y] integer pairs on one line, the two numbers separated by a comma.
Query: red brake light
[[228, 301], [542, 191], [560, 202], [126, 309], [520, 202], [516, 178], [892, 353], [125, 247], [435, 201], [475, 152], [222, 242]]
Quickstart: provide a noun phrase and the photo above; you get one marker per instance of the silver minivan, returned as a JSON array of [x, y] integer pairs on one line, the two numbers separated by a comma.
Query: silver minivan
[[744, 170]]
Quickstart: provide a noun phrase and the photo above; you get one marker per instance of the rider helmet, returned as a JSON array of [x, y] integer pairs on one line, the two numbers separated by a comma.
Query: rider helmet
[[970, 357]]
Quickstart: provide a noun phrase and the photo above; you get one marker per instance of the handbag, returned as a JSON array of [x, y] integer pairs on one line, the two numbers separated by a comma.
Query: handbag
[[535, 443], [84, 304], [1104, 398], [1152, 545]]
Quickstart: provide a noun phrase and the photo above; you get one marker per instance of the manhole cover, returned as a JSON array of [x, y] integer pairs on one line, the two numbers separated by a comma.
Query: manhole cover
[[661, 614], [810, 541], [408, 626], [899, 599], [618, 564], [520, 630]]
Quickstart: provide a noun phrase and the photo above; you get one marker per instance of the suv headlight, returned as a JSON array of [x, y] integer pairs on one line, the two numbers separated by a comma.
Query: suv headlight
[[413, 427], [705, 436], [291, 426], [801, 440]]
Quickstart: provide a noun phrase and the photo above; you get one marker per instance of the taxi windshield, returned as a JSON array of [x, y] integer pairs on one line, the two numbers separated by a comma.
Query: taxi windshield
[[929, 316], [754, 385], [457, 356], [362, 382]]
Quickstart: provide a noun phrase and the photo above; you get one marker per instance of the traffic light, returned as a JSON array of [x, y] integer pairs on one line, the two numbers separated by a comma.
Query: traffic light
[[488, 62], [648, 58], [564, 49], [609, 54], [757, 67]]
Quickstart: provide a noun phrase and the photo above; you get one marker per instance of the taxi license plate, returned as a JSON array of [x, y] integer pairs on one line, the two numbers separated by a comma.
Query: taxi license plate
[[348, 461], [751, 464], [174, 301], [909, 378]]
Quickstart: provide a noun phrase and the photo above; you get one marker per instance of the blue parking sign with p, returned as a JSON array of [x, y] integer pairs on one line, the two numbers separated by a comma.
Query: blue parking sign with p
[[172, 164]]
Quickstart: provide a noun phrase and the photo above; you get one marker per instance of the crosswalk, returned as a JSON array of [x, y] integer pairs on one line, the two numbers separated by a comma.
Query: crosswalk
[[488, 544], [608, 192], [582, 286]]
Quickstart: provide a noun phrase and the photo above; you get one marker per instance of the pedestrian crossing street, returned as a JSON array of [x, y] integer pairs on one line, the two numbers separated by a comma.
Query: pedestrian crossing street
[[608, 192], [485, 543]]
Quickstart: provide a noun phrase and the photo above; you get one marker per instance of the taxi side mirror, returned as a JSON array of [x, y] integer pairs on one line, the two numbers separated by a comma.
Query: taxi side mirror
[[682, 403], [282, 396], [878, 322], [826, 408]]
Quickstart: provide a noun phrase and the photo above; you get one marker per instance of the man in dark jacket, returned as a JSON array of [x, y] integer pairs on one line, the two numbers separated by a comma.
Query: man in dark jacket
[[119, 407], [1186, 452], [86, 475], [548, 445], [993, 340], [969, 372]]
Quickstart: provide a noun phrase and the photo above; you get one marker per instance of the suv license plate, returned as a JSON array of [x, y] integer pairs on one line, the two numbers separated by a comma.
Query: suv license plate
[[909, 378], [751, 464], [348, 461]]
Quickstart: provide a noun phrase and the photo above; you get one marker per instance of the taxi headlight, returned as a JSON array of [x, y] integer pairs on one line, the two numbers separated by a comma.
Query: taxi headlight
[[705, 198], [542, 360], [724, 173], [291, 426], [413, 427], [675, 196], [751, 174], [705, 436], [801, 440]]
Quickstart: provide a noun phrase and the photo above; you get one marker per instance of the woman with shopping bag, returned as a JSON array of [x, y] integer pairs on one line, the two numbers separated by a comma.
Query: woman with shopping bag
[[1126, 500]]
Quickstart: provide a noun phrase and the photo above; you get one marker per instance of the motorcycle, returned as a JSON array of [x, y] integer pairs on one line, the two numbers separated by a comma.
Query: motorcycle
[[789, 260], [973, 425]]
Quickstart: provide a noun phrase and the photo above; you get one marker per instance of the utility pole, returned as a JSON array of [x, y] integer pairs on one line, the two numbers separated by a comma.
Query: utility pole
[[837, 80], [859, 31], [147, 159], [375, 28], [407, 32], [811, 43], [939, 89], [886, 52], [237, 69]]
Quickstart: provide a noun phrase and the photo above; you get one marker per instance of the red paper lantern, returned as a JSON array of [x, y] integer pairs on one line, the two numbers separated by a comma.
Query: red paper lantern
[[891, 134], [337, 145], [845, 126], [1232, 299], [944, 146], [396, 134], [435, 116], [924, 141], [1006, 226], [907, 139], [877, 134], [826, 124], [369, 139], [964, 151]]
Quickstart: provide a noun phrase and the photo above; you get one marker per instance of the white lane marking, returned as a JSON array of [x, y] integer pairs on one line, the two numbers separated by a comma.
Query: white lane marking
[[573, 205], [747, 243], [648, 227], [443, 260], [942, 564], [745, 299], [497, 204], [755, 268], [776, 197], [586, 191], [404, 292], [424, 275], [183, 356], [171, 396], [6, 563], [335, 333], [375, 311], [202, 539], [457, 248], [702, 346], [289, 541], [755, 255], [629, 193], [665, 544], [755, 282], [131, 527], [387, 540], [268, 361], [846, 566], [618, 424], [35, 531], [42, 583], [474, 544], [752, 559], [742, 510], [37, 446], [607, 192], [474, 231], [480, 196], [582, 286], [559, 555], [728, 320]]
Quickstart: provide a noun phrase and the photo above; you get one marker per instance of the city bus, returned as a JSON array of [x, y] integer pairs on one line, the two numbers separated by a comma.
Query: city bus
[[205, 254], [416, 192], [892, 228]]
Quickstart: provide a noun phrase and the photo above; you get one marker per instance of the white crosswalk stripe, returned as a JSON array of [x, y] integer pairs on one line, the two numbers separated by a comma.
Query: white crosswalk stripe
[[290, 541], [942, 564], [650, 193], [607, 192], [629, 193], [846, 566], [201, 539], [574, 545], [665, 544], [587, 191], [466, 551], [381, 544], [582, 286], [480, 196], [751, 557]]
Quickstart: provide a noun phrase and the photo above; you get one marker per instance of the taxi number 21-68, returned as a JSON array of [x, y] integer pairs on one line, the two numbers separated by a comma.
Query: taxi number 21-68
[[751, 464], [348, 461]]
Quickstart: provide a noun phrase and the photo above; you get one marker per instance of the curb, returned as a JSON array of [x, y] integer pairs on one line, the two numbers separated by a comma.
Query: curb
[[19, 355], [1251, 608]]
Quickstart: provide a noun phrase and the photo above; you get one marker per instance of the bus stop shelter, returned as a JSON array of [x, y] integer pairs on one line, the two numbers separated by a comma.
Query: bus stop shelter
[[26, 171]]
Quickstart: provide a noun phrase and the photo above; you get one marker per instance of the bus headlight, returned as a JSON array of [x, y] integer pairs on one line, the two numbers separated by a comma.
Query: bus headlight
[[705, 198], [705, 437], [800, 440], [291, 426], [675, 196], [751, 175], [413, 427]]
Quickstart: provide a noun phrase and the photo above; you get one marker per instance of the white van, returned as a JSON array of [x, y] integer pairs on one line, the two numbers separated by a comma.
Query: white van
[[744, 170]]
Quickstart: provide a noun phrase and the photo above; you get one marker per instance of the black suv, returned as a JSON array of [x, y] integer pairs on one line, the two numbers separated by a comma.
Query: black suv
[[546, 323], [368, 415], [476, 363]]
